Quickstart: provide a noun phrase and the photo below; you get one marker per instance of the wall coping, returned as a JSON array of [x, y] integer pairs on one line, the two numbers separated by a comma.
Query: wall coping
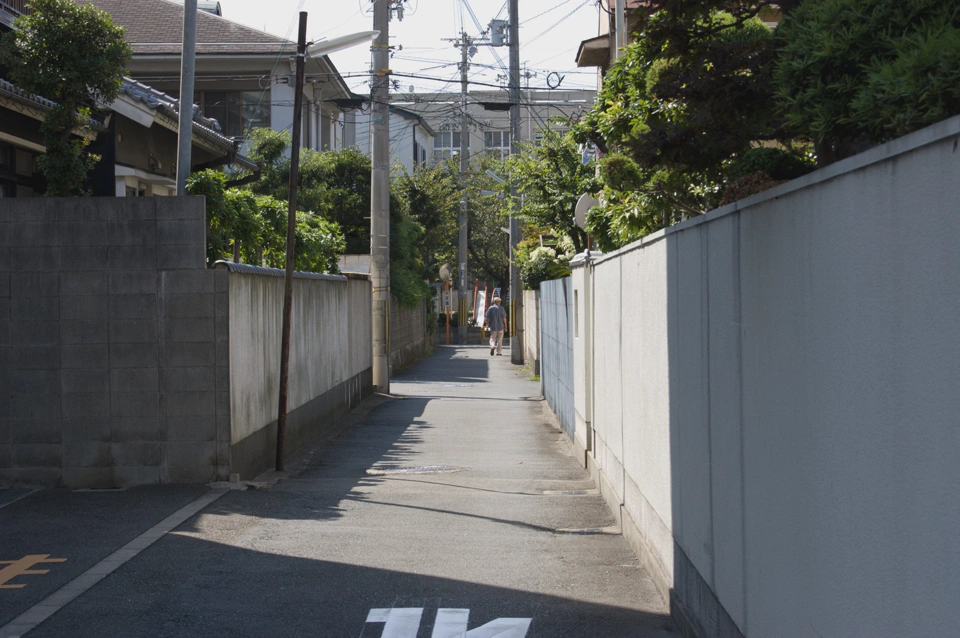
[[250, 269], [901, 146]]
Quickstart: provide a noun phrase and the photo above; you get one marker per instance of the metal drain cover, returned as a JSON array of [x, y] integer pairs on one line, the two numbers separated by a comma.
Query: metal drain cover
[[416, 469]]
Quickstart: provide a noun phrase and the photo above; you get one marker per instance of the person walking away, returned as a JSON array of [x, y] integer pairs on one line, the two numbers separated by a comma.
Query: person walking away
[[496, 320]]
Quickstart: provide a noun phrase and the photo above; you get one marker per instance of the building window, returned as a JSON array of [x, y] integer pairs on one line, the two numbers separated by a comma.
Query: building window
[[447, 144], [236, 111], [497, 143]]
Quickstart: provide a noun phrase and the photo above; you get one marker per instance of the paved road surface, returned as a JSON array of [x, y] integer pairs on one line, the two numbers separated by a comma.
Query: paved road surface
[[454, 505]]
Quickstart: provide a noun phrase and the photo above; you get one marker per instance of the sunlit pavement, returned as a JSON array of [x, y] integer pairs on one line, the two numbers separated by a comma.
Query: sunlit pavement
[[453, 505]]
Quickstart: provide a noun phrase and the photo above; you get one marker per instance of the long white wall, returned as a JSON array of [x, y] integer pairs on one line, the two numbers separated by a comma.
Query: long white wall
[[776, 399], [329, 343]]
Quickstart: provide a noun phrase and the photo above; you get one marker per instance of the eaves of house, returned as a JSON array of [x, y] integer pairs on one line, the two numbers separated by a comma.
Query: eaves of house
[[154, 31], [138, 102]]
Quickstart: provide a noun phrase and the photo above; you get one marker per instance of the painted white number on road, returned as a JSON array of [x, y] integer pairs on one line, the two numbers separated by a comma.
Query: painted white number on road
[[451, 623]]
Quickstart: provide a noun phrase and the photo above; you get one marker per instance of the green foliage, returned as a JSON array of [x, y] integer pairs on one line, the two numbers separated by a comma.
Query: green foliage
[[552, 176], [74, 55], [854, 72], [407, 270], [255, 227], [333, 184], [538, 263], [429, 197], [778, 163], [488, 245], [686, 109], [212, 185], [691, 93]]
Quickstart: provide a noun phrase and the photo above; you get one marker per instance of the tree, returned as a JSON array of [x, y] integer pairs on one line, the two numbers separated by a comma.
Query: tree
[[74, 55], [243, 225], [852, 73], [333, 184], [681, 114], [487, 244], [552, 176], [431, 198]]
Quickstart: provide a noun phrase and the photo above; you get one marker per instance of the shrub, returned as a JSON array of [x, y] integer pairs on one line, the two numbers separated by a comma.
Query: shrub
[[855, 72]]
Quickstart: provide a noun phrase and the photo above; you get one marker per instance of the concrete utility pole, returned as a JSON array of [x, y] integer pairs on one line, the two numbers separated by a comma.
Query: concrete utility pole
[[516, 288], [188, 59], [291, 243], [618, 25], [380, 196], [464, 168]]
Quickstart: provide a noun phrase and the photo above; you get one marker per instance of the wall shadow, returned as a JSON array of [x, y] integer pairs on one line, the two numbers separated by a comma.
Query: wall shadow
[[447, 365], [185, 586]]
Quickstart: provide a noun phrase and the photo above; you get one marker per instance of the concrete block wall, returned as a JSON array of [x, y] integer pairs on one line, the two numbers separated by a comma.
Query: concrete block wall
[[556, 349], [768, 399], [330, 358], [108, 335], [410, 336]]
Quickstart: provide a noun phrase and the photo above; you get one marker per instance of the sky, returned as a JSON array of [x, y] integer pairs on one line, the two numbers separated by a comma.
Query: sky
[[550, 33]]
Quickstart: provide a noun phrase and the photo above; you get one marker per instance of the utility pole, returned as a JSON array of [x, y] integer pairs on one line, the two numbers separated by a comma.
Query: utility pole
[[188, 59], [618, 26], [380, 196], [291, 242], [516, 291], [464, 168]]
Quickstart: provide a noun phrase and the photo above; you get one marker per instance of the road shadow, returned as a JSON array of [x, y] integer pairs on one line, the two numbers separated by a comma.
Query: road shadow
[[184, 586], [448, 366]]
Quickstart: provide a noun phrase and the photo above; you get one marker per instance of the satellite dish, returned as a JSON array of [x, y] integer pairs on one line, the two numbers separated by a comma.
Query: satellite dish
[[584, 204], [445, 272]]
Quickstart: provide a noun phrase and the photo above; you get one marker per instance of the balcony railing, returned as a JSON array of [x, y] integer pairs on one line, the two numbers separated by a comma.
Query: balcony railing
[[14, 6]]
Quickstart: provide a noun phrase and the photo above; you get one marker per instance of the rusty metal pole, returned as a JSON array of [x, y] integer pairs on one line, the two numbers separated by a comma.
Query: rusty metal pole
[[291, 243], [446, 301]]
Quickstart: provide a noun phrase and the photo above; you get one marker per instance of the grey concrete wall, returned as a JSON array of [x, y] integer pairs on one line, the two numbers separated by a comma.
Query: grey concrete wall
[[774, 403], [531, 329], [330, 358], [109, 344], [556, 352], [410, 336]]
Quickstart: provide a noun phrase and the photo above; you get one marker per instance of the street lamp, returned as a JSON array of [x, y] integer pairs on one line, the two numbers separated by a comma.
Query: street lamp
[[331, 45]]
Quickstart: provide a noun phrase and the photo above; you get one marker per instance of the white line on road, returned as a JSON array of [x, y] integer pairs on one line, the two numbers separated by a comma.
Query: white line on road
[[403, 622], [451, 623], [54, 602]]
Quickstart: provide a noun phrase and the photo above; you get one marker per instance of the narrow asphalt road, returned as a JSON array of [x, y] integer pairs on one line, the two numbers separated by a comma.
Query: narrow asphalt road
[[452, 506]]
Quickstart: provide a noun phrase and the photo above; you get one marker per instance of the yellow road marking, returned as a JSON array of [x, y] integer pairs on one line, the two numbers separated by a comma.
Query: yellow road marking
[[22, 566]]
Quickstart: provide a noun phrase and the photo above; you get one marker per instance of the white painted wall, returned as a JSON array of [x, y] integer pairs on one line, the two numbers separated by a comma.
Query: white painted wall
[[329, 343], [403, 133], [777, 390]]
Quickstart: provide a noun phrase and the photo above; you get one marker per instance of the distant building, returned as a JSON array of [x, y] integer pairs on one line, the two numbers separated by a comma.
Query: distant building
[[411, 138], [489, 117]]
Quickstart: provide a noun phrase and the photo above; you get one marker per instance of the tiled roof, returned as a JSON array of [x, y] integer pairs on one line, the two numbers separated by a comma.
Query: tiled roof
[[155, 99], [203, 127], [156, 26]]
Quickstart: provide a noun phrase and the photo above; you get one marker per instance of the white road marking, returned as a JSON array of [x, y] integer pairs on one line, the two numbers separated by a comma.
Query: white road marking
[[451, 623], [403, 622], [378, 615], [79, 585], [502, 628]]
